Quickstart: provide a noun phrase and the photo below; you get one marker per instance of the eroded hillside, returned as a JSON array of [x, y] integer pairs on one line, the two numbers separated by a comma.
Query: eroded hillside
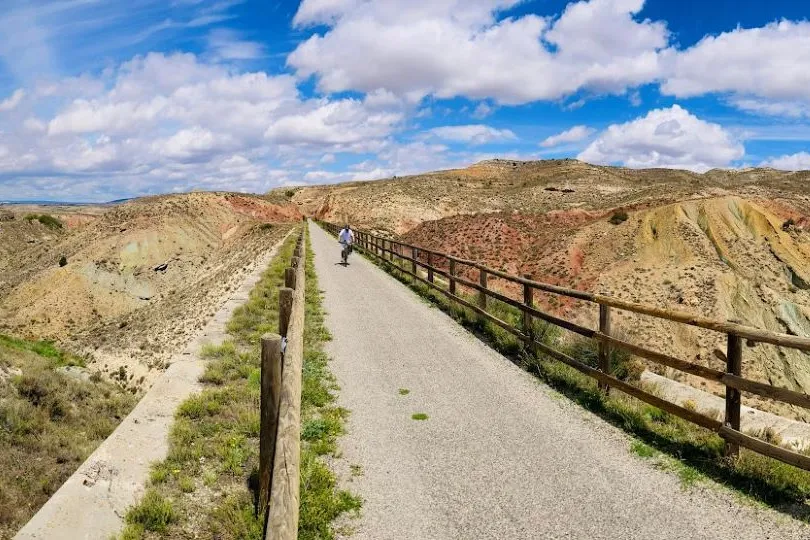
[[131, 284], [728, 245]]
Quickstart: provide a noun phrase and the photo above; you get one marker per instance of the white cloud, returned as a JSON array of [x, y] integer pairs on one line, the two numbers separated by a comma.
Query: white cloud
[[12, 101], [665, 138], [792, 162], [792, 109], [575, 134], [453, 48], [227, 45], [343, 123], [173, 122], [482, 110], [771, 62], [472, 133]]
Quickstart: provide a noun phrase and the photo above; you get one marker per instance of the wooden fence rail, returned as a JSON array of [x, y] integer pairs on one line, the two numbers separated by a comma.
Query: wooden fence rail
[[457, 273], [282, 358]]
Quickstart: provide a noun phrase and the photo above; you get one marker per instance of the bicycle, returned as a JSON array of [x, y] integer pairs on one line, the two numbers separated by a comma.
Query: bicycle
[[344, 253]]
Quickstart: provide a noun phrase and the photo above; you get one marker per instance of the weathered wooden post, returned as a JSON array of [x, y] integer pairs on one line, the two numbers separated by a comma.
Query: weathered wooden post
[[294, 261], [285, 304], [430, 266], [604, 348], [413, 261], [528, 327], [271, 367], [733, 397], [452, 277], [482, 295], [289, 277]]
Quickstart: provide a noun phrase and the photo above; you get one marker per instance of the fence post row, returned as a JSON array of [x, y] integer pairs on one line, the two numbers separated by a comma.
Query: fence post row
[[728, 429], [271, 383], [733, 398]]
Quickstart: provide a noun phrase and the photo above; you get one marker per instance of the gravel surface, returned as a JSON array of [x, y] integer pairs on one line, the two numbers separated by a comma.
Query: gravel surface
[[501, 455]]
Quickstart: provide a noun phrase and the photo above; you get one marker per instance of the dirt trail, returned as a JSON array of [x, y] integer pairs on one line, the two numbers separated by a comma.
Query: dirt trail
[[500, 455], [92, 503]]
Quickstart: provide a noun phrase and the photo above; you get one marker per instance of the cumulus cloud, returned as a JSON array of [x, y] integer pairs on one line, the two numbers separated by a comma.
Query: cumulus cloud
[[575, 134], [670, 137], [160, 122], [792, 162], [770, 62], [472, 134], [453, 48]]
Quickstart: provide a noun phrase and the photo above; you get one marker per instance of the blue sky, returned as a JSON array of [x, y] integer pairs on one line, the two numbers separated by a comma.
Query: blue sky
[[101, 99]]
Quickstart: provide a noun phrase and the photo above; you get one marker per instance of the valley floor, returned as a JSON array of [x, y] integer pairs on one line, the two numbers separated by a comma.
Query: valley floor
[[449, 439]]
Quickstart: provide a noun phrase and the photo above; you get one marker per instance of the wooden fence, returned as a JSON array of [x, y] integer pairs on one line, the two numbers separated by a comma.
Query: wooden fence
[[401, 253], [280, 432]]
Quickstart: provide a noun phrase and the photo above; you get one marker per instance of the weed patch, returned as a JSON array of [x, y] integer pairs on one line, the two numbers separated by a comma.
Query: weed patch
[[49, 424], [419, 416]]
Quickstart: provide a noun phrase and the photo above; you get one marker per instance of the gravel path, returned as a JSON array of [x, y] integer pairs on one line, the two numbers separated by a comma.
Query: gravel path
[[501, 456]]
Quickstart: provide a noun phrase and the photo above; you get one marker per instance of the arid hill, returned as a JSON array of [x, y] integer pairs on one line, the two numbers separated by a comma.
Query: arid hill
[[726, 244], [128, 285]]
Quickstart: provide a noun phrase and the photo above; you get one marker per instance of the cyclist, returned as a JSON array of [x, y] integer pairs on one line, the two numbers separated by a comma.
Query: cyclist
[[346, 239]]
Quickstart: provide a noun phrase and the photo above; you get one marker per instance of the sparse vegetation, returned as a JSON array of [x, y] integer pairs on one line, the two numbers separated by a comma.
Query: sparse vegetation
[[618, 217], [62, 261], [419, 416], [46, 219], [49, 424], [404, 391], [214, 440]]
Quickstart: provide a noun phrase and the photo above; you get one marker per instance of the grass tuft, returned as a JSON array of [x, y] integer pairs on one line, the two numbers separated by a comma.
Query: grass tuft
[[419, 416], [154, 513]]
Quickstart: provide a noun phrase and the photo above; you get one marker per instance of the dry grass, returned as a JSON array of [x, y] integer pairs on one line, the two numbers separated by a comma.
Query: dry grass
[[49, 424]]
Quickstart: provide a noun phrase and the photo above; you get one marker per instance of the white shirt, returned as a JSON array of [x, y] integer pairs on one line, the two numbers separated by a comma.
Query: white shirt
[[346, 236]]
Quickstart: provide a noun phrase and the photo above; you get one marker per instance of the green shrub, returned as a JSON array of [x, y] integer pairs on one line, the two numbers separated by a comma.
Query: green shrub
[[620, 216], [622, 364], [154, 513], [49, 221]]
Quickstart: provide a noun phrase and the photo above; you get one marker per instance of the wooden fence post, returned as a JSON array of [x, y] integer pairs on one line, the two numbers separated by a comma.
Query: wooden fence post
[[604, 348], [289, 277], [269, 402], [452, 276], [482, 295], [528, 326], [430, 266], [285, 304], [413, 262], [294, 262], [733, 397]]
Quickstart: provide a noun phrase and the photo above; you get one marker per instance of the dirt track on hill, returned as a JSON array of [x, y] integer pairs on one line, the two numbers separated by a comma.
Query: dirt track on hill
[[501, 455]]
